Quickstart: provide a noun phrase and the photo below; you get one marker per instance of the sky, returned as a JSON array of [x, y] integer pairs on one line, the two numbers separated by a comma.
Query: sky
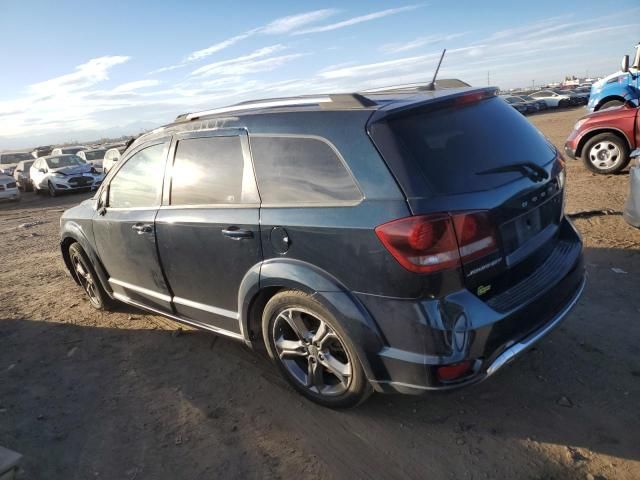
[[78, 71]]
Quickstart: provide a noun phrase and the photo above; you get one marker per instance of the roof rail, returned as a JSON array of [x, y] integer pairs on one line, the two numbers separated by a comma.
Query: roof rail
[[346, 100], [419, 87]]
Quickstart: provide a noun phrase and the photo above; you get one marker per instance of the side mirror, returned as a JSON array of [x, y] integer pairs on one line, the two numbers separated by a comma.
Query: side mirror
[[42, 170], [19, 171], [625, 63]]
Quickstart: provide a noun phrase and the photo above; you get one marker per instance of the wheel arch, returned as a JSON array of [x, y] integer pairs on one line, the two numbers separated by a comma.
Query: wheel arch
[[73, 233], [266, 279], [589, 134], [608, 98]]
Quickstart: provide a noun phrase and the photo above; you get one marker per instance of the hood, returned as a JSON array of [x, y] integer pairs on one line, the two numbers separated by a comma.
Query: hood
[[618, 112], [4, 179], [602, 82], [72, 170]]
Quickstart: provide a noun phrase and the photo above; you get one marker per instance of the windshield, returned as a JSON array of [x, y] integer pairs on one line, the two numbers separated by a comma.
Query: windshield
[[451, 146], [66, 161], [7, 158], [94, 154]]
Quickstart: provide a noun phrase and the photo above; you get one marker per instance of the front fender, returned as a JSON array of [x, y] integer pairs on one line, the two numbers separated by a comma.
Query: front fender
[[354, 318], [72, 232]]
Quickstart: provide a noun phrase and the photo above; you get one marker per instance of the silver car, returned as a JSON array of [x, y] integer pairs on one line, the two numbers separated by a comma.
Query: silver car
[[8, 188]]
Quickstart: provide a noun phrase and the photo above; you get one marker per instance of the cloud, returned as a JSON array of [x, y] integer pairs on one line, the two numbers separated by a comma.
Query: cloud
[[235, 65], [418, 42], [293, 22], [85, 75], [357, 20], [205, 52], [278, 26], [130, 86]]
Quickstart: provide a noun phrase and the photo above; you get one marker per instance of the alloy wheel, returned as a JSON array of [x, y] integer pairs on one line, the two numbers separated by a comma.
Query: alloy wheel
[[312, 352], [604, 155]]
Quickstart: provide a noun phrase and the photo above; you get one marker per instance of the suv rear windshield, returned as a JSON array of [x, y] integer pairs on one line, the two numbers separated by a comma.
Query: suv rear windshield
[[452, 145], [94, 154]]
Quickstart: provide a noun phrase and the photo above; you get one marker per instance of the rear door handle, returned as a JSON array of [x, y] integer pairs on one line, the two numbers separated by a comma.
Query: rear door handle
[[236, 233], [141, 228]]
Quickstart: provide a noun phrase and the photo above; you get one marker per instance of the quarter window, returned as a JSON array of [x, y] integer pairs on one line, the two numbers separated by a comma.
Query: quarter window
[[212, 170], [301, 170], [139, 182]]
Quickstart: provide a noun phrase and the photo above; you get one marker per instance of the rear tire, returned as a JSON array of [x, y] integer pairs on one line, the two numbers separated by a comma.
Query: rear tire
[[605, 153], [86, 276], [312, 351]]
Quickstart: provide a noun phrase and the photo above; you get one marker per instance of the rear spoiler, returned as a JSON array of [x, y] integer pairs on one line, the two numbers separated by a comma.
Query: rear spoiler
[[432, 100]]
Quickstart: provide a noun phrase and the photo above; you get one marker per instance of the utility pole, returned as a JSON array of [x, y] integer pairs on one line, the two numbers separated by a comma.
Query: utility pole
[[488, 78], [533, 85]]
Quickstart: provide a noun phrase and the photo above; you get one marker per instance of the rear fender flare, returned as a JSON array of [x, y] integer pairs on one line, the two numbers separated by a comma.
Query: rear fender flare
[[297, 275]]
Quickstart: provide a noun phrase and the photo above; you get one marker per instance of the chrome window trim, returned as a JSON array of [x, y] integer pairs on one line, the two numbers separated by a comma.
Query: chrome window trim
[[206, 308], [209, 206], [144, 291]]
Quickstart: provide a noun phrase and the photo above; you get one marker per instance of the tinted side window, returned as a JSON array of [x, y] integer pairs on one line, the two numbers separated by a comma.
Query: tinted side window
[[139, 182], [212, 170], [300, 170]]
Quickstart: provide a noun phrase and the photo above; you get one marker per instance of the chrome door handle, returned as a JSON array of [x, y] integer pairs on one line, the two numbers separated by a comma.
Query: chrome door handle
[[141, 228], [236, 233]]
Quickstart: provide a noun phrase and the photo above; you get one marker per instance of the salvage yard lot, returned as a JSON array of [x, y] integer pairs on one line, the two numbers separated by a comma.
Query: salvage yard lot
[[127, 395]]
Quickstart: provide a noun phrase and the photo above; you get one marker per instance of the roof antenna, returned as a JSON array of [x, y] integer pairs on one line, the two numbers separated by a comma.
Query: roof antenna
[[432, 85]]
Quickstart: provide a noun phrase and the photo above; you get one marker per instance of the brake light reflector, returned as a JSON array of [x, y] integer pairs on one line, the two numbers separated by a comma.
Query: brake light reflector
[[430, 243], [422, 244], [452, 372]]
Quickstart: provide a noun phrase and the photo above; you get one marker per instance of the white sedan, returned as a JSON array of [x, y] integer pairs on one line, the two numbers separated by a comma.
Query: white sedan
[[63, 173], [551, 98]]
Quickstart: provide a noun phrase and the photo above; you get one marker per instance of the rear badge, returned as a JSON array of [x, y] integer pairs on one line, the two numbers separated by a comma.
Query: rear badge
[[482, 289]]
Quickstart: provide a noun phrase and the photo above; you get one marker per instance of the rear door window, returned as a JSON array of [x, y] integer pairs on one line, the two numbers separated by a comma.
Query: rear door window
[[211, 171], [452, 147], [301, 170]]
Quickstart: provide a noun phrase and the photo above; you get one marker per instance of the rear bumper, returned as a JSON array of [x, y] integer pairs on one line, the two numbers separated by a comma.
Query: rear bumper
[[425, 334]]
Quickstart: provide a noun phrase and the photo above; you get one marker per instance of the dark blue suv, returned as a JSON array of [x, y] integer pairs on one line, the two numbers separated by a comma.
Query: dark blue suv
[[399, 241]]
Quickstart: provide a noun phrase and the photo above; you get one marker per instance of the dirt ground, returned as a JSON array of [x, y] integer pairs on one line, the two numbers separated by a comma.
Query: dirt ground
[[126, 395]]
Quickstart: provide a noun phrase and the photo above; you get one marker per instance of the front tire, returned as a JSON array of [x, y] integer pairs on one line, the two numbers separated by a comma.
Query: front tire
[[52, 190], [605, 153], [86, 276], [312, 351]]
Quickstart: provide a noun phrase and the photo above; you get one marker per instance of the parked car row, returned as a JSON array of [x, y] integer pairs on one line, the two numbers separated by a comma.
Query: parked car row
[[527, 102], [47, 168]]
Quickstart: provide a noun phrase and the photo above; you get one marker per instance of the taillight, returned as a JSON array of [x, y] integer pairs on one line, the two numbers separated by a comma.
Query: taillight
[[421, 244], [430, 243], [476, 235]]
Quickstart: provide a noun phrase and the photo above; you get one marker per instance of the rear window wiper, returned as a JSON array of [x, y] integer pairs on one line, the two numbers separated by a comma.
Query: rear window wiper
[[529, 169]]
